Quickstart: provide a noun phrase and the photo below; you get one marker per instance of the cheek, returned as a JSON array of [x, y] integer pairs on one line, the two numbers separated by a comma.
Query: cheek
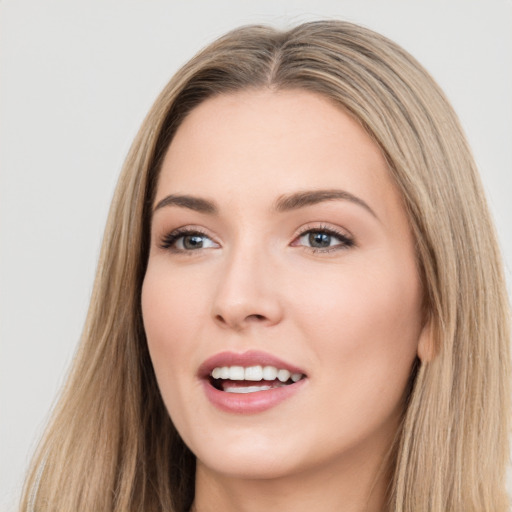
[[172, 306], [173, 314], [366, 323]]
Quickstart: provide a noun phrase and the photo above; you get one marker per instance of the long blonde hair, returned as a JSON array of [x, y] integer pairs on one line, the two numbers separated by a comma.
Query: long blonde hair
[[111, 445]]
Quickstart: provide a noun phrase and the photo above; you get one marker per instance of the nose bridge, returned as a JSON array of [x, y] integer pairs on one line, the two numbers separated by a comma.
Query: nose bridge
[[245, 293]]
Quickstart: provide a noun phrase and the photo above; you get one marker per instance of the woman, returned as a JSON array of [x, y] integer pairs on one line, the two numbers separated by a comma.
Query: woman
[[299, 302]]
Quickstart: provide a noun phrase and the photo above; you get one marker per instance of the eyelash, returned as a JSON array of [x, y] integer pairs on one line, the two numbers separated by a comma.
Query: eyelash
[[346, 241], [168, 241]]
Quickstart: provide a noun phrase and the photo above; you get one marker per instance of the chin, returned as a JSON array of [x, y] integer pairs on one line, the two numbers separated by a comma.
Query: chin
[[250, 456], [250, 466]]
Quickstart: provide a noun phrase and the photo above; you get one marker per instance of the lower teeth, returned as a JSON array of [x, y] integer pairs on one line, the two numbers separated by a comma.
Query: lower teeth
[[227, 387], [249, 389]]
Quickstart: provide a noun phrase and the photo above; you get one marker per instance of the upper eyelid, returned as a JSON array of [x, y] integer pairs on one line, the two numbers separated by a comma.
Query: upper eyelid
[[303, 229], [323, 226], [186, 230]]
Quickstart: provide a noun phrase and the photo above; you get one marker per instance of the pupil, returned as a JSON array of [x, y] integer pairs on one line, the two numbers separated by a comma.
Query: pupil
[[319, 239], [192, 242]]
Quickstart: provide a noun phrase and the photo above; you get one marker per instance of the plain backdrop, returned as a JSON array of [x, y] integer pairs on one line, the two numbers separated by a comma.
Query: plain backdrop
[[76, 81]]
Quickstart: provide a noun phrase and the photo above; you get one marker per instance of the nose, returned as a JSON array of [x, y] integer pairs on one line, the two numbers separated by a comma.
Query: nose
[[247, 293]]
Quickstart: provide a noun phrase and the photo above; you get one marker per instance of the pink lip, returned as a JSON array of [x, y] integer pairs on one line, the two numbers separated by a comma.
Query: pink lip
[[249, 403]]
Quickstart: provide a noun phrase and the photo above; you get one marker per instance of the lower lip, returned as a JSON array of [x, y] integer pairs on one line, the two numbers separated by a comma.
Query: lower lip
[[250, 403]]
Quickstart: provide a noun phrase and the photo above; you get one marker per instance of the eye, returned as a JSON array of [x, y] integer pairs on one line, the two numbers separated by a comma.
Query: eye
[[187, 240], [324, 240]]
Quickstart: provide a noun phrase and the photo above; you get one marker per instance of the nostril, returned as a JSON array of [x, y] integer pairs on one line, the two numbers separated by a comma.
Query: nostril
[[235, 323], [255, 318], [220, 319]]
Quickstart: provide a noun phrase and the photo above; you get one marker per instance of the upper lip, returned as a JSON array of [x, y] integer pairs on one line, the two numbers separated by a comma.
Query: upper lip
[[249, 358]]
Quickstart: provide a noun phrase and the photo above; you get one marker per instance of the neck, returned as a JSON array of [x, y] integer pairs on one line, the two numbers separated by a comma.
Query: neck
[[356, 486]]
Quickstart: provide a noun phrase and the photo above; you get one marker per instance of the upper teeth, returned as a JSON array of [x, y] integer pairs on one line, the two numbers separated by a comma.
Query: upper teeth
[[254, 373]]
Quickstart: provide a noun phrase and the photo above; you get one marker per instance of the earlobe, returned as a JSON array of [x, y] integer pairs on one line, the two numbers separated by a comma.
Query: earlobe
[[426, 344]]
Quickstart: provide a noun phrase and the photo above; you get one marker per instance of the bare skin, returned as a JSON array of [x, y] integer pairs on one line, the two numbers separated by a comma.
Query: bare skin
[[277, 229], [329, 488]]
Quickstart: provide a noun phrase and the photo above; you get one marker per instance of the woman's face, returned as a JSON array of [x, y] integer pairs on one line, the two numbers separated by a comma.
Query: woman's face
[[279, 246]]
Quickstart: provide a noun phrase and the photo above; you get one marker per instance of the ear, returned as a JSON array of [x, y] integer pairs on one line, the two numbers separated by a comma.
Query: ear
[[426, 343]]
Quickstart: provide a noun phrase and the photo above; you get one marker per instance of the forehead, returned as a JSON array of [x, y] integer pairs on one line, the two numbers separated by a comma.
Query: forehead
[[262, 143]]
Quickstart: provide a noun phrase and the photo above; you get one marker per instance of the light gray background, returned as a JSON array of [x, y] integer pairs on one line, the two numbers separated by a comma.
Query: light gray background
[[76, 81]]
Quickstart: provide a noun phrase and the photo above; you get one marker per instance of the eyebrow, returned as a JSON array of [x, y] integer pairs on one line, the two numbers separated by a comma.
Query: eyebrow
[[310, 197], [284, 203], [197, 204]]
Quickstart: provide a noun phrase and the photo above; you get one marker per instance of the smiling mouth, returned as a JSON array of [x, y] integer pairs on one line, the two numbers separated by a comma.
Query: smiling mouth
[[251, 379]]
